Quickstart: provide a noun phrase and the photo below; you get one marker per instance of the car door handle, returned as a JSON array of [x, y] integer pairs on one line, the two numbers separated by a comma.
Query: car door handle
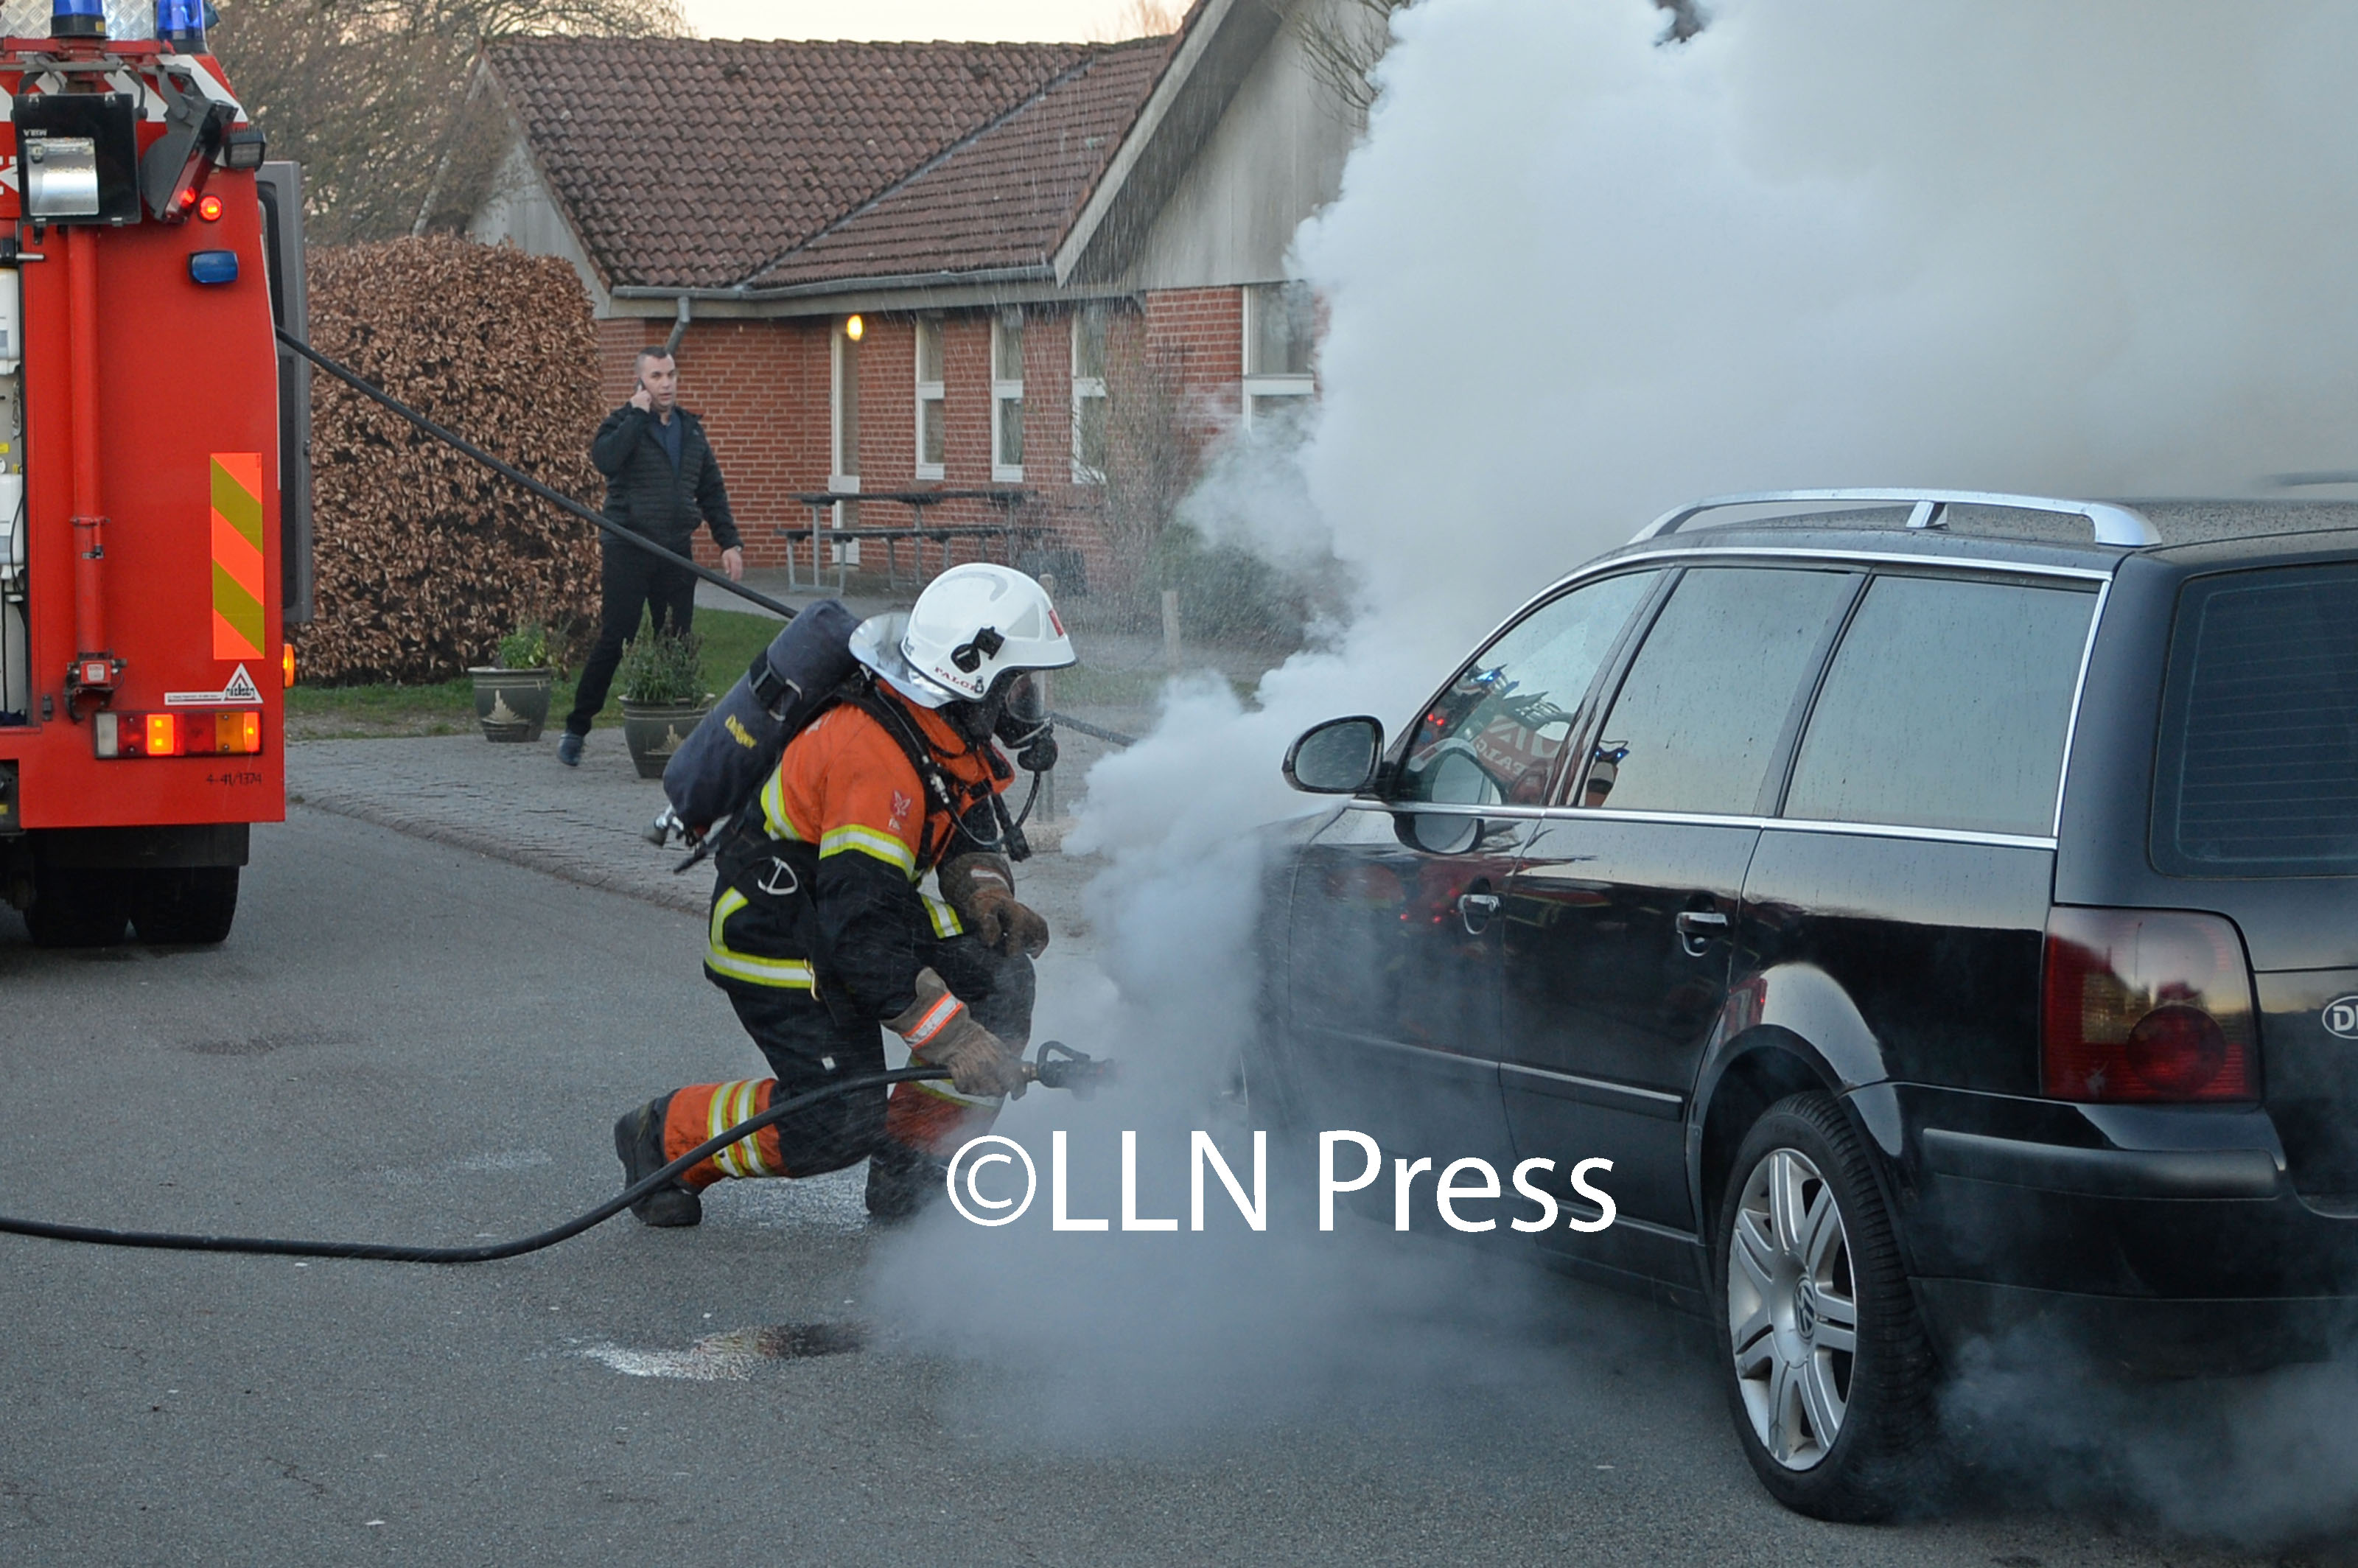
[[1696, 928], [1476, 909]]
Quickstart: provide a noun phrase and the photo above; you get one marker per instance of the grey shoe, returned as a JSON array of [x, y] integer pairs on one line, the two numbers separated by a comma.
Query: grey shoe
[[639, 1140], [569, 749]]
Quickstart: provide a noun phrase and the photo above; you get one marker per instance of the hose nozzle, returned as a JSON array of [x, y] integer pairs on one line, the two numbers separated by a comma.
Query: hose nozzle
[[1058, 1067]]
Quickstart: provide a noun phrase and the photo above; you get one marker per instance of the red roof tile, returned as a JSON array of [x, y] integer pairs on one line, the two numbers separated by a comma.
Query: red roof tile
[[1002, 199], [691, 163]]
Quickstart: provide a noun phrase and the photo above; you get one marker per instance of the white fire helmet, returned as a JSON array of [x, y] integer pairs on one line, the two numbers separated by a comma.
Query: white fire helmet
[[971, 624]]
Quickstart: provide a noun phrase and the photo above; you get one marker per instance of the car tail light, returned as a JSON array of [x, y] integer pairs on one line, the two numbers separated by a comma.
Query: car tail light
[[219, 732], [2146, 1005]]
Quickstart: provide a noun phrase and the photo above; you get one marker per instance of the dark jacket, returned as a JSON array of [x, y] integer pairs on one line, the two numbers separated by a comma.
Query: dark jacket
[[646, 494]]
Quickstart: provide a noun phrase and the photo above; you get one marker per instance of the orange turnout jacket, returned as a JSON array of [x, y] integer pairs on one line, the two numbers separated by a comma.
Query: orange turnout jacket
[[851, 836]]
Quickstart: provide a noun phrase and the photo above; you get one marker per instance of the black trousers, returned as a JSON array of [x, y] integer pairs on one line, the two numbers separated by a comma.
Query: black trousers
[[807, 1047], [630, 580]]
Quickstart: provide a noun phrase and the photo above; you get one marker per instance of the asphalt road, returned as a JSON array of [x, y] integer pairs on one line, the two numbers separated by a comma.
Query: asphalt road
[[406, 1042]]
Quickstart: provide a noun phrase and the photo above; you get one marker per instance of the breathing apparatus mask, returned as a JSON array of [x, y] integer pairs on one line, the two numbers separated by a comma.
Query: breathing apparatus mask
[[1020, 722]]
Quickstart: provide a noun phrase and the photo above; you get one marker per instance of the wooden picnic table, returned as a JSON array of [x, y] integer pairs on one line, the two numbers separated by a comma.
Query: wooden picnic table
[[917, 530]]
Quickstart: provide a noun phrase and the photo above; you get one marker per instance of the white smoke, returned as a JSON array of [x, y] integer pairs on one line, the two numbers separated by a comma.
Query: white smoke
[[1575, 278]]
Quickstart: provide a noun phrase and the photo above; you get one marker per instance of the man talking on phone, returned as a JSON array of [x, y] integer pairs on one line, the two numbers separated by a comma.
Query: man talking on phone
[[661, 478]]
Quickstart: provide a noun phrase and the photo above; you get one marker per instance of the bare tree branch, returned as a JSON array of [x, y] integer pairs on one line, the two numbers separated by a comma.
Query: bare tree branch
[[1143, 19], [370, 95], [1341, 41]]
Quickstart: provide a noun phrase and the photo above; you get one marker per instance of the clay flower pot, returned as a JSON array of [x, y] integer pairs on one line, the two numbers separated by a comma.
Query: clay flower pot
[[654, 730], [512, 705]]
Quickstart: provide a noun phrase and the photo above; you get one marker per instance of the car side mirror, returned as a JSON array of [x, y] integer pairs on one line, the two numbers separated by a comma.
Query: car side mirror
[[1338, 757]]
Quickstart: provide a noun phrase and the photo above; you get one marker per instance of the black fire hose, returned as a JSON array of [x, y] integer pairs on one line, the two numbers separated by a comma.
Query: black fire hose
[[564, 502], [1058, 1067]]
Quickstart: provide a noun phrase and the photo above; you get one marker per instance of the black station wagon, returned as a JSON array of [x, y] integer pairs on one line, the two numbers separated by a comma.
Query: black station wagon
[[1947, 926]]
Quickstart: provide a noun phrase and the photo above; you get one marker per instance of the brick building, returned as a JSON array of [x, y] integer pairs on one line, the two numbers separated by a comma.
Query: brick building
[[1053, 272]]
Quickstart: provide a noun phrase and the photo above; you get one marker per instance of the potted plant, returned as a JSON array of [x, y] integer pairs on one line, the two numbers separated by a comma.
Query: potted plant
[[661, 679], [512, 691]]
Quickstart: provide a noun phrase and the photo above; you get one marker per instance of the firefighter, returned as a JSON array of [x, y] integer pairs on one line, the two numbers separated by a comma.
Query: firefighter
[[819, 931]]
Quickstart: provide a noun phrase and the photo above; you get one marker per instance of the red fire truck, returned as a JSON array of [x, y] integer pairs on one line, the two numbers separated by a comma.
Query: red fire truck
[[154, 493]]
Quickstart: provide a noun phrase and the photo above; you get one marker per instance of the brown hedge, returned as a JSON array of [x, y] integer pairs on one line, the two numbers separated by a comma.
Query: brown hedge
[[425, 558]]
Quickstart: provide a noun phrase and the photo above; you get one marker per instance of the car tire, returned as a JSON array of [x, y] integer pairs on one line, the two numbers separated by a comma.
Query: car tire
[[193, 905], [1835, 1417], [76, 909]]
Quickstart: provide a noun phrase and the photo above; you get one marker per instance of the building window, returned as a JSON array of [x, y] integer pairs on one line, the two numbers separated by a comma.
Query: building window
[[1007, 398], [843, 432], [932, 443], [1280, 333], [1089, 395]]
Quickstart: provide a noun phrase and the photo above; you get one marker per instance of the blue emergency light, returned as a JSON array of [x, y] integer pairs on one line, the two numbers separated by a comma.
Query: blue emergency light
[[212, 266], [78, 18], [181, 24]]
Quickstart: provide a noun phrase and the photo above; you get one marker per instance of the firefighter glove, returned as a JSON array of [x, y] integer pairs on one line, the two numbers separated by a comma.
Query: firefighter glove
[[941, 1032], [982, 887]]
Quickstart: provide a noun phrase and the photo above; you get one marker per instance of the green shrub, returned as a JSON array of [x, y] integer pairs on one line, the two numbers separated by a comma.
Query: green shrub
[[661, 665], [528, 646], [1228, 594]]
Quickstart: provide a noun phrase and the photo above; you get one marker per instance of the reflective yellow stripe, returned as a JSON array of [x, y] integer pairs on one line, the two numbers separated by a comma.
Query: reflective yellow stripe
[[774, 807], [729, 902], [732, 1103], [868, 841], [791, 974], [786, 974], [946, 920]]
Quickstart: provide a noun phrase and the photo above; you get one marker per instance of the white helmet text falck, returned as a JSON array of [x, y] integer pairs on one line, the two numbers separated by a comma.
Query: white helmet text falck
[[970, 625]]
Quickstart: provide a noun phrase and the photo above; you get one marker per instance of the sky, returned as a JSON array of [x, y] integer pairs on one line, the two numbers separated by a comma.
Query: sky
[[1046, 20]]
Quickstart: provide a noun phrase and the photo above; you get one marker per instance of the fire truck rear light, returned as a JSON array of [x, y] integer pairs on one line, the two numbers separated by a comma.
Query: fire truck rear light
[[288, 660], [2149, 1006], [212, 266], [210, 209], [163, 735], [238, 733], [106, 730]]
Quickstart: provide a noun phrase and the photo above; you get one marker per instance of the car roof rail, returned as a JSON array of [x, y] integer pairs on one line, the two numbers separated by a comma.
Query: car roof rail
[[2114, 524]]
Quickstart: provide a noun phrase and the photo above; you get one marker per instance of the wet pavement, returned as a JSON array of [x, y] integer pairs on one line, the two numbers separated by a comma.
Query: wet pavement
[[407, 1040]]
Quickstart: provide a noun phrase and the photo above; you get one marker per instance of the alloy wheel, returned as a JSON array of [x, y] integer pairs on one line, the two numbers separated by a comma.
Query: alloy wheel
[[1792, 1308]]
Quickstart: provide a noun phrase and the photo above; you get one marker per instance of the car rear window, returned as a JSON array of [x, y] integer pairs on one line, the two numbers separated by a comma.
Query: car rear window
[[2257, 772], [1947, 706]]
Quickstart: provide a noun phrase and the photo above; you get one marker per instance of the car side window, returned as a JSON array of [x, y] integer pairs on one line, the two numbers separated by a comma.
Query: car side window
[[1696, 725], [1946, 705], [1494, 735]]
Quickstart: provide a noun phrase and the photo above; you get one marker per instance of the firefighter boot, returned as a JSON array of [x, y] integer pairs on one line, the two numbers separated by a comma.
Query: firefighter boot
[[902, 1180], [925, 1124], [639, 1139]]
